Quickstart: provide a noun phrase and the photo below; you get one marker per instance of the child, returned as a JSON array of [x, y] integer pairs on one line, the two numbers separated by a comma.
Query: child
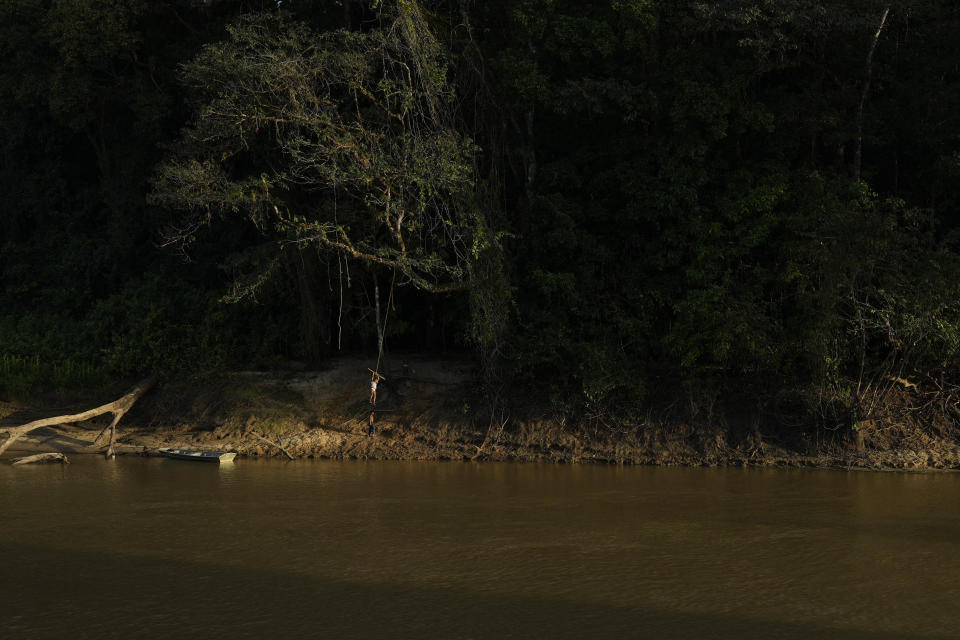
[[374, 379]]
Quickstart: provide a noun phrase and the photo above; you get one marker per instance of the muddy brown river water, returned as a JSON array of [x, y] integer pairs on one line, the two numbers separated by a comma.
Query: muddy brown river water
[[152, 548]]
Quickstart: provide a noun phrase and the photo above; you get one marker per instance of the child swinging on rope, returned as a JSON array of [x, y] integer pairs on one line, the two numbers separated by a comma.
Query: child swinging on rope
[[374, 379]]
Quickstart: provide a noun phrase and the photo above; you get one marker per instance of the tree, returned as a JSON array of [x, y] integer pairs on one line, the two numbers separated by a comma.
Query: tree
[[341, 140]]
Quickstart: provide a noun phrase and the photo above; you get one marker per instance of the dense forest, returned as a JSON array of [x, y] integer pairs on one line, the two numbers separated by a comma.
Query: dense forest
[[603, 204]]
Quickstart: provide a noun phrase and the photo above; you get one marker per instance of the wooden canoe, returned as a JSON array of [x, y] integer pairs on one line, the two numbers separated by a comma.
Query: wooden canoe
[[196, 454]]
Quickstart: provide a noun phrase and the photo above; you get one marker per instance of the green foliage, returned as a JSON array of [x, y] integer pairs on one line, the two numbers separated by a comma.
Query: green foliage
[[151, 326], [668, 193], [691, 212], [286, 114], [20, 376]]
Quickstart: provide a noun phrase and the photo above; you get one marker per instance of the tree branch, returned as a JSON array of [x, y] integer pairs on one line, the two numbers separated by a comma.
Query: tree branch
[[118, 408]]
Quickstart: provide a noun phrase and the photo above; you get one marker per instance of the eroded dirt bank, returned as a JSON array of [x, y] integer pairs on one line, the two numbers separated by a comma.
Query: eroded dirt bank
[[428, 411]]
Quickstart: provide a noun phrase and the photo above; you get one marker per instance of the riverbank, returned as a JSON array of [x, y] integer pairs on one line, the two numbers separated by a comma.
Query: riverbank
[[429, 412]]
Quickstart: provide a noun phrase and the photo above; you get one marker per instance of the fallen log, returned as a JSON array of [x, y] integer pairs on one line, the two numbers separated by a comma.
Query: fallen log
[[259, 437], [118, 408], [42, 457]]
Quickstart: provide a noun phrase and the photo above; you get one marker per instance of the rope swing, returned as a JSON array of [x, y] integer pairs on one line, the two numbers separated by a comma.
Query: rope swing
[[383, 330]]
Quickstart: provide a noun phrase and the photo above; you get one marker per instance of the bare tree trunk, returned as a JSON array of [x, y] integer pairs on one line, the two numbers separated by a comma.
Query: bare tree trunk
[[531, 152], [118, 408], [531, 157], [301, 268], [867, 73], [376, 312]]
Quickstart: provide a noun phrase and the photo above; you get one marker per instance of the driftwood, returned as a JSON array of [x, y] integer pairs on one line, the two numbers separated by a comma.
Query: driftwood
[[118, 408], [906, 383], [274, 444], [42, 457]]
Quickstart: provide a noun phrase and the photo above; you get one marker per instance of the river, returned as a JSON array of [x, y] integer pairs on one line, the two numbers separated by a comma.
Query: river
[[153, 548]]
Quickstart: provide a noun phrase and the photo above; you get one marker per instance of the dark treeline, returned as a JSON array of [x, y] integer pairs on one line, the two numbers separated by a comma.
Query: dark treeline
[[601, 201]]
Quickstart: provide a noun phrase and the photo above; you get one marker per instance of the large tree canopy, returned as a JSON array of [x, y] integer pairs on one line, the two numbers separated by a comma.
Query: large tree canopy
[[343, 140]]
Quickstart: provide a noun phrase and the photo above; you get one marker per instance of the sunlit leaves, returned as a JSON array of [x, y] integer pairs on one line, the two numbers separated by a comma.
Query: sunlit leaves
[[351, 137]]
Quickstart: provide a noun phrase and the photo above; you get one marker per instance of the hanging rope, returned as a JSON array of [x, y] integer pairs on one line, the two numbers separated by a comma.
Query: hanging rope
[[340, 309], [386, 315]]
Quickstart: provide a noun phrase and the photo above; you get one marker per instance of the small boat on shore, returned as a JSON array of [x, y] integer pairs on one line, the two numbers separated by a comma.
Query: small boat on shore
[[196, 454]]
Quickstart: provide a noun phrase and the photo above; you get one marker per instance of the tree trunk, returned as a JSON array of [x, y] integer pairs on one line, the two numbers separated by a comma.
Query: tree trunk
[[867, 73], [376, 312], [118, 408]]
